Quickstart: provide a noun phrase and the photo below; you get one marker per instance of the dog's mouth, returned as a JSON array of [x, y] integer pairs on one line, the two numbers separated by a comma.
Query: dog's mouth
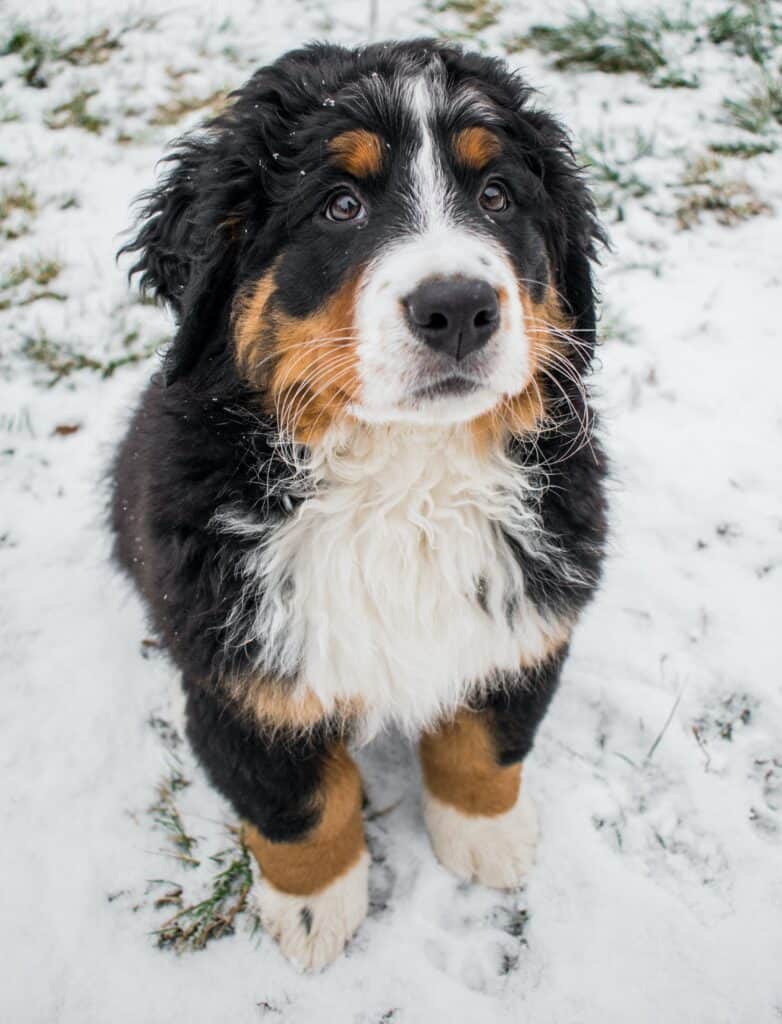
[[451, 386]]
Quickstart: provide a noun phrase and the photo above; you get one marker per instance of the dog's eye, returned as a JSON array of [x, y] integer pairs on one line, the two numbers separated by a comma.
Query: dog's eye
[[343, 206], [494, 197]]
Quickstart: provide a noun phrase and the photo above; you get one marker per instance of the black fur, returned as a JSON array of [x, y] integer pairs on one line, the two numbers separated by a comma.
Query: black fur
[[515, 707], [236, 198], [274, 785], [573, 511]]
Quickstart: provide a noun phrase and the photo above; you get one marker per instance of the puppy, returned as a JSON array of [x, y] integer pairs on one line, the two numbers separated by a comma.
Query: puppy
[[364, 489]]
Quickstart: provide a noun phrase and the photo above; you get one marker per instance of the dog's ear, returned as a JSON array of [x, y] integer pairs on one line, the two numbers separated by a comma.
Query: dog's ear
[[185, 247], [575, 237], [569, 219], [583, 235], [163, 240]]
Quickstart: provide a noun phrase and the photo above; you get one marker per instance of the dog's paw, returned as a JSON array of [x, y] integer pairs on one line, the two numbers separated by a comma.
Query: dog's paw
[[313, 930], [497, 851]]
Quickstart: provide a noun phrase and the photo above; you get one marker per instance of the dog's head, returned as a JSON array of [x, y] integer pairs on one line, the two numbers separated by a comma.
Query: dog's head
[[392, 233]]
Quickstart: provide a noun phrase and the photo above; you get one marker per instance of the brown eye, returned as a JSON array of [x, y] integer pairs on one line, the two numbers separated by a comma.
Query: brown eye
[[494, 197], [344, 206]]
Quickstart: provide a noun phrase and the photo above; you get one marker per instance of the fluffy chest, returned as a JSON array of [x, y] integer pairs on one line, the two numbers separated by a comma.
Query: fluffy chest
[[393, 585]]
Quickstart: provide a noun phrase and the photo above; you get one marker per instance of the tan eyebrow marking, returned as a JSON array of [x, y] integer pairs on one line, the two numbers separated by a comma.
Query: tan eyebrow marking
[[476, 146], [358, 152]]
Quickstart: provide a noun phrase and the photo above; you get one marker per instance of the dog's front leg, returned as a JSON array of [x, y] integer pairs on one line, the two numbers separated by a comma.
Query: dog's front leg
[[300, 798], [481, 822]]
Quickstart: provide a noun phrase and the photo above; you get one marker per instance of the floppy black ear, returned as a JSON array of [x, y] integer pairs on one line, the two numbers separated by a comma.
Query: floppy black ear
[[577, 283], [164, 238], [205, 305], [569, 218], [185, 256], [578, 240]]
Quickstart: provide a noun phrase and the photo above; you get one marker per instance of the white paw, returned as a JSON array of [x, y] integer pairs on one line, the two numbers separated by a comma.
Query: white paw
[[497, 851], [313, 930]]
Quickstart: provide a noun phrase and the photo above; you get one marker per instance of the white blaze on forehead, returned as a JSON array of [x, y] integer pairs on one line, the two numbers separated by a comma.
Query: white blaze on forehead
[[428, 184], [426, 96]]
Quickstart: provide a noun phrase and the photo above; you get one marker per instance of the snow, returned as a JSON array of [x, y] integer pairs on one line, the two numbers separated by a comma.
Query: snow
[[657, 892]]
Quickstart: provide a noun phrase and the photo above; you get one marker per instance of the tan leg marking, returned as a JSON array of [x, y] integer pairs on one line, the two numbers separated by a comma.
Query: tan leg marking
[[460, 767], [331, 847], [481, 823]]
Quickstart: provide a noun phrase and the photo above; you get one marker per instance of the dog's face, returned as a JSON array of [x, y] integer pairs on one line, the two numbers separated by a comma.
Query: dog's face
[[388, 234]]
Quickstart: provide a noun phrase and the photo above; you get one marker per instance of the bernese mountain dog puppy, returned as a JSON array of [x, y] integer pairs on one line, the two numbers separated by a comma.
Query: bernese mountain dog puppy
[[365, 487]]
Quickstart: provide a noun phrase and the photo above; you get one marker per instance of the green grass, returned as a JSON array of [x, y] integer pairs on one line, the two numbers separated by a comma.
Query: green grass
[[18, 204], [196, 924], [58, 358], [627, 41], [731, 714], [34, 48], [17, 423], [742, 150], [69, 201], [612, 44], [75, 114], [614, 177], [673, 79], [27, 43], [93, 49], [173, 110], [37, 49], [61, 359], [7, 113], [761, 108], [165, 814], [38, 271], [19, 197], [753, 28], [706, 191], [223, 881], [475, 15], [749, 27]]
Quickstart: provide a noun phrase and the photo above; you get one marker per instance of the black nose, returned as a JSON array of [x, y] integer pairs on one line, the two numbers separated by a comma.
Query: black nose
[[453, 315]]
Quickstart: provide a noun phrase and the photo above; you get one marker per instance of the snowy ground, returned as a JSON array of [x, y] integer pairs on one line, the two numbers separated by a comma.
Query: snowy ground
[[658, 773]]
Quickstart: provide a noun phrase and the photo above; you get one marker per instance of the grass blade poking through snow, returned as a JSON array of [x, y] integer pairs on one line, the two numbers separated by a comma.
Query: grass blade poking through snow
[[192, 927], [166, 816], [212, 915]]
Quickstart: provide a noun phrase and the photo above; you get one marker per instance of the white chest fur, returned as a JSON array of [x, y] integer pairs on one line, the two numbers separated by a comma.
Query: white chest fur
[[392, 584]]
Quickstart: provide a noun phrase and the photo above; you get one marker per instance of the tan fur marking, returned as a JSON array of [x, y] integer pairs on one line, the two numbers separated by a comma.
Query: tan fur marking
[[460, 767], [249, 316], [522, 413], [476, 146], [316, 375], [232, 226], [330, 848], [358, 152], [274, 707], [308, 366]]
